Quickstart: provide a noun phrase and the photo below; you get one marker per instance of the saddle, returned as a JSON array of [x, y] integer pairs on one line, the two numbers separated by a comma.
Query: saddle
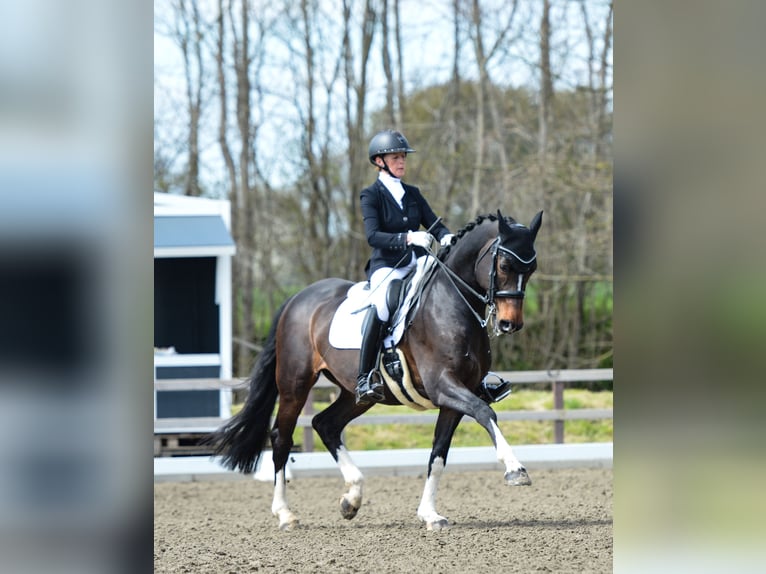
[[403, 298]]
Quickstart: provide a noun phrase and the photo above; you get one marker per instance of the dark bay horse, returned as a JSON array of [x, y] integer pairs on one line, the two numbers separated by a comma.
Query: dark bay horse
[[447, 349]]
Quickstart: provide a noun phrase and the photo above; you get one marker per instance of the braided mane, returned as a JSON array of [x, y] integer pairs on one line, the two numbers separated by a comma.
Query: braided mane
[[466, 229]]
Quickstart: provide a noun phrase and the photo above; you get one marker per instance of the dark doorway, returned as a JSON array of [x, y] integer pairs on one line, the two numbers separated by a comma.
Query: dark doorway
[[185, 312]]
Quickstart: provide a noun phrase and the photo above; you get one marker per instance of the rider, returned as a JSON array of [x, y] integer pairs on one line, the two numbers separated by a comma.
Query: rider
[[392, 211]]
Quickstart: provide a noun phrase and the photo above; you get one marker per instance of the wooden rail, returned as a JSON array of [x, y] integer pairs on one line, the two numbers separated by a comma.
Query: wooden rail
[[175, 435]]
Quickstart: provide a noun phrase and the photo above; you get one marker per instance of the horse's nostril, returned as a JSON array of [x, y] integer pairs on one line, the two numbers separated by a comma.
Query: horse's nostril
[[509, 326]]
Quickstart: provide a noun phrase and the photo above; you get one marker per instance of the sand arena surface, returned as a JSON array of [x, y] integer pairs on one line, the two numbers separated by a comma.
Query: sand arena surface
[[562, 523]]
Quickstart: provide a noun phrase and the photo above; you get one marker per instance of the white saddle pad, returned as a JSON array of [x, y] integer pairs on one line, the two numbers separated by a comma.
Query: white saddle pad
[[346, 326]]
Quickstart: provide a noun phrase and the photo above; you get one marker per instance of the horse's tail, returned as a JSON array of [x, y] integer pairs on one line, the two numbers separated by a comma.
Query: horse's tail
[[242, 439]]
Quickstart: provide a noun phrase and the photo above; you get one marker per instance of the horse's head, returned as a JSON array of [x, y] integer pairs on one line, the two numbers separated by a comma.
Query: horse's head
[[506, 264]]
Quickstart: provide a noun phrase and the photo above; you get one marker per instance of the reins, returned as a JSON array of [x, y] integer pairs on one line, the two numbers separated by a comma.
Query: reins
[[452, 276], [492, 293]]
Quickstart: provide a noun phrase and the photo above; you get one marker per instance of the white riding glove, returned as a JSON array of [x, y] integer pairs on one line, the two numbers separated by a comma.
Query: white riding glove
[[420, 238], [446, 240]]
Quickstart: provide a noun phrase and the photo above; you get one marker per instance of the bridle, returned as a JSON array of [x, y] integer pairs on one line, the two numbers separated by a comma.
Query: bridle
[[492, 293], [495, 249]]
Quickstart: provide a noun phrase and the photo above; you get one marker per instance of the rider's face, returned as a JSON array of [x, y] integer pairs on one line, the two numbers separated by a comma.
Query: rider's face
[[396, 162]]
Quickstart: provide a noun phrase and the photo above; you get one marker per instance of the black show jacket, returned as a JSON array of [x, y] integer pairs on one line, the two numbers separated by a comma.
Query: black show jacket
[[386, 225]]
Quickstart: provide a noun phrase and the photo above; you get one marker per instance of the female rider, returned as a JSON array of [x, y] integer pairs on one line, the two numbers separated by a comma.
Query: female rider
[[393, 212]]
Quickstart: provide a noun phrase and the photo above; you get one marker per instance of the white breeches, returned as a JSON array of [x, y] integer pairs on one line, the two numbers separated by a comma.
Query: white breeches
[[379, 286]]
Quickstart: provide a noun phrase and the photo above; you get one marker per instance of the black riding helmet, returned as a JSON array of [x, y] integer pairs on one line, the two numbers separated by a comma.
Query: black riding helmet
[[388, 141]]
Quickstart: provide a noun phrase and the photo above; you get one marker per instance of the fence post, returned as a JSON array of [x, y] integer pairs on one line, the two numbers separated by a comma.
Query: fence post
[[558, 403], [308, 432]]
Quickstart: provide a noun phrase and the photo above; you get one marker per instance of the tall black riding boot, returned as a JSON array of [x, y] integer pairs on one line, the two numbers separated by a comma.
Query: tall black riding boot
[[369, 387]]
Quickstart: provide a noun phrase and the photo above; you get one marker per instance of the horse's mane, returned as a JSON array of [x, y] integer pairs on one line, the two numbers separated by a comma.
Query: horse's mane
[[467, 228]]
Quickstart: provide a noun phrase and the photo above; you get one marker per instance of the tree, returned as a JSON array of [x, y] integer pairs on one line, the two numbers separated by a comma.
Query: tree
[[320, 86], [188, 30], [486, 99], [356, 111], [241, 193]]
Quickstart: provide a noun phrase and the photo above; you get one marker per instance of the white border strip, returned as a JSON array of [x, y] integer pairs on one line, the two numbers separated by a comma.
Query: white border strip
[[394, 462]]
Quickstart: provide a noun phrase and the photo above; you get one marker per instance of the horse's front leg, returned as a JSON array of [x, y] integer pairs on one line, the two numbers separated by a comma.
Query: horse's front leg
[[446, 423], [463, 400], [329, 425], [515, 473]]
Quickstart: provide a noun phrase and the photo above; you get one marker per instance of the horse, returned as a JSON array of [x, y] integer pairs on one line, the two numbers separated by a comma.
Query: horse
[[446, 348]]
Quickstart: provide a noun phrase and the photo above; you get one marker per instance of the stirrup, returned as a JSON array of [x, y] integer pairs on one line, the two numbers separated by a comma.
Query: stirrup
[[369, 390], [494, 388]]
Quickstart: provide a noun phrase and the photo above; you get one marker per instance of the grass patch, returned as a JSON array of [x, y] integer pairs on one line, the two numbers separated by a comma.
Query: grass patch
[[470, 433]]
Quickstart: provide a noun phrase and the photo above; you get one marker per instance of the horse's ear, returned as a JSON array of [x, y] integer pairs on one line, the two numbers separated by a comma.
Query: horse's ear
[[503, 227], [537, 221]]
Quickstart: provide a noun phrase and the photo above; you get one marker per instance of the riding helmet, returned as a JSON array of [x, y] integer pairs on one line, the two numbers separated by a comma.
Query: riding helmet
[[388, 141]]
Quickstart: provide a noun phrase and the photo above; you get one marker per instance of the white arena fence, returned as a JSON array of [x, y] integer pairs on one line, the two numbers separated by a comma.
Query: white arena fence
[[170, 434]]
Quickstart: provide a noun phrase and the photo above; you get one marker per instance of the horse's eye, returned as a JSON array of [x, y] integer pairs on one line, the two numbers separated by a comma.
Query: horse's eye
[[505, 268]]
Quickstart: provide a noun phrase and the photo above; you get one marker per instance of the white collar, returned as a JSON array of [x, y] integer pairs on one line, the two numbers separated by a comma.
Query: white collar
[[388, 178], [394, 187]]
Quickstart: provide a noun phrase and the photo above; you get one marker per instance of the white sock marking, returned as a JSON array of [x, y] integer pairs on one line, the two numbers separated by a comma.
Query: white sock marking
[[352, 476], [280, 494], [427, 508], [504, 451]]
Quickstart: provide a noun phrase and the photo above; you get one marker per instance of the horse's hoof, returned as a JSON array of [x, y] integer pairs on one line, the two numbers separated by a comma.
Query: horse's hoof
[[441, 524], [434, 521], [347, 510], [517, 478], [289, 525]]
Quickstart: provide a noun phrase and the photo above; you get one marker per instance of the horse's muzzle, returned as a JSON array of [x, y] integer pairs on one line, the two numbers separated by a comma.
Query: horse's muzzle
[[507, 327]]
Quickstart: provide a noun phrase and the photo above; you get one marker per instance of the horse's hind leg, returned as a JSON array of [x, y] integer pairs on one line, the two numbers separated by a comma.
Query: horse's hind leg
[[281, 444], [329, 425], [279, 506]]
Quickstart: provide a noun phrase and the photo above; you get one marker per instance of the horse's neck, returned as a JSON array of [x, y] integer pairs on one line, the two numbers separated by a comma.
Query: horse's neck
[[462, 261], [467, 252]]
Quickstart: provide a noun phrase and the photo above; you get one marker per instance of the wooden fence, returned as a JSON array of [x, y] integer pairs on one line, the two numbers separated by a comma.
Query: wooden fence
[[172, 435]]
